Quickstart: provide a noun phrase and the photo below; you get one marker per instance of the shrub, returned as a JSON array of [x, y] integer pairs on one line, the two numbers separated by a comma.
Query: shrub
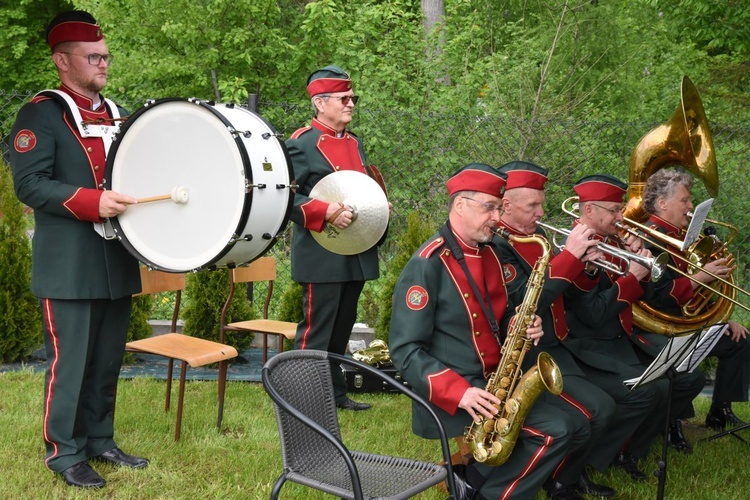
[[207, 291], [20, 314], [418, 229]]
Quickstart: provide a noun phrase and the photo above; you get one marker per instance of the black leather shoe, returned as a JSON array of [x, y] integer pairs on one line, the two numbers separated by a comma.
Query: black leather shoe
[[348, 404], [559, 491], [625, 462], [721, 416], [676, 439], [586, 487], [82, 475], [118, 457]]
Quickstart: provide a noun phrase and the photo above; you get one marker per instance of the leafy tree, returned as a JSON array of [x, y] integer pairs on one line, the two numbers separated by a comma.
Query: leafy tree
[[26, 62]]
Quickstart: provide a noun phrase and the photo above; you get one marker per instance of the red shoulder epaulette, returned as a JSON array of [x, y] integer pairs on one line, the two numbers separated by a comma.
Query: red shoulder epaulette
[[431, 246], [297, 133]]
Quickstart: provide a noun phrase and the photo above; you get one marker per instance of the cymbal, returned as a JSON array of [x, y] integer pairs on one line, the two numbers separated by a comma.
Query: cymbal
[[370, 208]]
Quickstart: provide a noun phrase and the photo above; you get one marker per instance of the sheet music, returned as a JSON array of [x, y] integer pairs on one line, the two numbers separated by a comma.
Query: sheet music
[[708, 340], [673, 353], [696, 223]]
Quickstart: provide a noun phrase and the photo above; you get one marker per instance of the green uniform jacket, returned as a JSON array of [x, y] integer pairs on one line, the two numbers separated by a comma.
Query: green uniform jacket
[[440, 340], [600, 319], [58, 174], [518, 260], [316, 152]]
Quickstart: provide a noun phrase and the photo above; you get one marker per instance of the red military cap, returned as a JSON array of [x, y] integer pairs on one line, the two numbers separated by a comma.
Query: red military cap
[[73, 26], [524, 174], [600, 187], [327, 80], [477, 177]]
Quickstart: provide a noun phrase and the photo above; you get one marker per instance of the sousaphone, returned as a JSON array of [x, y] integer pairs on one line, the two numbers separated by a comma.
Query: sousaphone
[[684, 140]]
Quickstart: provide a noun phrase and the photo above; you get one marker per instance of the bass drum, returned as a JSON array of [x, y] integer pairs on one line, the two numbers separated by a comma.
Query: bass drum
[[228, 174]]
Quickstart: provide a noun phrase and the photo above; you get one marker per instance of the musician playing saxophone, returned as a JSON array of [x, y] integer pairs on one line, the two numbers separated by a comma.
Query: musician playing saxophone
[[667, 198], [523, 207], [599, 320], [442, 341]]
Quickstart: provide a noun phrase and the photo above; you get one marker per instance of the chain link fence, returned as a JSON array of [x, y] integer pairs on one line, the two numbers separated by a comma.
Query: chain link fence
[[417, 152]]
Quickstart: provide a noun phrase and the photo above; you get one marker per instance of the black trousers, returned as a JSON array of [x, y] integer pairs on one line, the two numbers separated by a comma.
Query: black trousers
[[85, 342], [329, 313]]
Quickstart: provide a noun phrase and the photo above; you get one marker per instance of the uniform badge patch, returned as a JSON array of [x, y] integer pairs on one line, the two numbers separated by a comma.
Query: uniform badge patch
[[416, 298], [25, 141], [509, 272]]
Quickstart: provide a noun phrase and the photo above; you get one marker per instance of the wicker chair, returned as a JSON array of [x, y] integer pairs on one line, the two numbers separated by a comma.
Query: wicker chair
[[313, 454]]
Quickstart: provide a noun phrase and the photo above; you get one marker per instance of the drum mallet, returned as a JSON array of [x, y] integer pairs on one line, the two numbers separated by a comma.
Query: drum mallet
[[179, 194]]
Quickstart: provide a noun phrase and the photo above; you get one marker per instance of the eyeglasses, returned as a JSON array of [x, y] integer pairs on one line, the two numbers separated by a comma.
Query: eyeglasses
[[612, 211], [343, 98], [95, 59], [486, 207]]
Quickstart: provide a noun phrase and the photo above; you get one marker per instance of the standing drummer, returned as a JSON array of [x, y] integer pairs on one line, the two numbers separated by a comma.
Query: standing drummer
[[84, 282], [332, 283]]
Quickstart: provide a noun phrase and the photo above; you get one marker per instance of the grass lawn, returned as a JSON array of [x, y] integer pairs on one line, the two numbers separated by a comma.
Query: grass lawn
[[243, 460]]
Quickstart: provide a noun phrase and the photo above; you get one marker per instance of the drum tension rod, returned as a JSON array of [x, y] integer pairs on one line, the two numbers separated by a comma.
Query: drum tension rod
[[259, 186], [268, 135]]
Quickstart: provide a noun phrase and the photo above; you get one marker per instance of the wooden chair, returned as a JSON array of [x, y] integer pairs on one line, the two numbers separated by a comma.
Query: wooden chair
[[262, 269], [189, 350]]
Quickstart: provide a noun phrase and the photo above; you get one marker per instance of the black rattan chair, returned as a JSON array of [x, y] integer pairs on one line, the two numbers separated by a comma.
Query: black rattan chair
[[313, 454]]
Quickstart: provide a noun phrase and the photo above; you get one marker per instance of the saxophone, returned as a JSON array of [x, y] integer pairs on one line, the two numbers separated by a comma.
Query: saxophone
[[492, 439]]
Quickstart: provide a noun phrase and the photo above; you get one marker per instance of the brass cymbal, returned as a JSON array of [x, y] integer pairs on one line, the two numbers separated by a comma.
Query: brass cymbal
[[370, 207]]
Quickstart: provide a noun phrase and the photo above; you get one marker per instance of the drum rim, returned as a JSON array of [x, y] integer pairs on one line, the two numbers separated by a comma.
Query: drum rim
[[247, 167]]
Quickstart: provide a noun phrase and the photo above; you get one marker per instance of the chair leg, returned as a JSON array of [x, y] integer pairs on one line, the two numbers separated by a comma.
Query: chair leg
[[222, 389], [280, 343], [168, 398], [178, 426], [265, 348]]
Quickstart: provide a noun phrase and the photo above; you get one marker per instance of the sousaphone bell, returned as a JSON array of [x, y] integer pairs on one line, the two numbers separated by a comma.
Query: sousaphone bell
[[369, 207]]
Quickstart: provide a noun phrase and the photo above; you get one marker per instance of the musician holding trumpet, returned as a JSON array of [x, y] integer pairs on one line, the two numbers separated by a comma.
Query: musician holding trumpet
[[667, 198], [581, 399], [599, 318]]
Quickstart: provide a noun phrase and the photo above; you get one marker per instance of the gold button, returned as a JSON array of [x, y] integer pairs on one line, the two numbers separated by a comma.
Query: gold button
[[477, 333], [466, 295], [323, 138], [481, 354], [447, 252], [96, 168], [474, 315], [89, 149], [337, 167]]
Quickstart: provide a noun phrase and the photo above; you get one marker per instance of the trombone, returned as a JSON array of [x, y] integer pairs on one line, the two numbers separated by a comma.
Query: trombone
[[695, 254], [655, 264]]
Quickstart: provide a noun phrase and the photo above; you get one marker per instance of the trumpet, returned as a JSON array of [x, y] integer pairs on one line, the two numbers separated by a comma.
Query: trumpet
[[656, 265]]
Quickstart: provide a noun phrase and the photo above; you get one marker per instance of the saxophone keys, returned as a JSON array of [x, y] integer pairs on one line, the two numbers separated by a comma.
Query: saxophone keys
[[497, 447], [480, 454], [488, 426], [502, 425]]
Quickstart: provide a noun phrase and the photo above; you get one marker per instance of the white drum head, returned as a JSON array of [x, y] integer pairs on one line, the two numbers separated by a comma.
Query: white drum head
[[179, 144]]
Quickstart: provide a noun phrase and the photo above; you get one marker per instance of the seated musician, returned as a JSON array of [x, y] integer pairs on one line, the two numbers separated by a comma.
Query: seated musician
[[522, 207], [445, 345], [599, 319], [667, 198]]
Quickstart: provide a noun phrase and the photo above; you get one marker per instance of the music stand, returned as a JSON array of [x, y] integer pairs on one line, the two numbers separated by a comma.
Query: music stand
[[681, 354]]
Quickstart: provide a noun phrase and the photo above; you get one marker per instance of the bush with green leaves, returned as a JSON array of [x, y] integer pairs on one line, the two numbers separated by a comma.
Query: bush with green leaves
[[139, 327], [208, 291], [20, 314]]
